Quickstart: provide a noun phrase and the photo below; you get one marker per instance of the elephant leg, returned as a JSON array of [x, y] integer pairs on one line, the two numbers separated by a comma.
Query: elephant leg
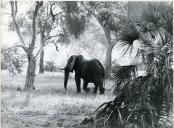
[[95, 89], [100, 85], [85, 84], [77, 79]]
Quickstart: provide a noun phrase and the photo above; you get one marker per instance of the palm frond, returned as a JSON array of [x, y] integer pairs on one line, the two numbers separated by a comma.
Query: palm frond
[[150, 14], [129, 102], [126, 48], [140, 97], [129, 34], [156, 16], [122, 74], [166, 12]]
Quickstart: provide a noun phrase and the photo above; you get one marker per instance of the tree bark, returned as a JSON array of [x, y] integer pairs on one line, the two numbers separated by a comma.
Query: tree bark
[[108, 66], [41, 65], [29, 83]]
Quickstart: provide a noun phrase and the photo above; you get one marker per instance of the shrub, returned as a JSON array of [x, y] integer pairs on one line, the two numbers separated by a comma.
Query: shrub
[[50, 66]]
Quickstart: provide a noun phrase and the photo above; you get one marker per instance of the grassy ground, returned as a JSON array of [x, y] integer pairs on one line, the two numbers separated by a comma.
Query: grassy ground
[[48, 106]]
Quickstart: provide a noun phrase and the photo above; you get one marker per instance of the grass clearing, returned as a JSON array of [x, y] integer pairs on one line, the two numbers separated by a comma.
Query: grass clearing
[[48, 105]]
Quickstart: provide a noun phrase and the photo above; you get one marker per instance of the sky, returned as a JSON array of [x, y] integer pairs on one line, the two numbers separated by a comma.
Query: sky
[[9, 38]]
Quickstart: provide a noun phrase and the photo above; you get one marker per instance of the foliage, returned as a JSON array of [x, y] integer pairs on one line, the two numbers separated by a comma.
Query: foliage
[[12, 60], [75, 21], [23, 23], [122, 74], [48, 12], [145, 101], [109, 13], [127, 35], [160, 15]]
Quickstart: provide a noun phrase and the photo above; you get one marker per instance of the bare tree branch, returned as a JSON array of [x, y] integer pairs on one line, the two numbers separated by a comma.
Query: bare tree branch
[[38, 5], [56, 46], [44, 41], [5, 14], [16, 7], [57, 49], [17, 46], [51, 12], [13, 14]]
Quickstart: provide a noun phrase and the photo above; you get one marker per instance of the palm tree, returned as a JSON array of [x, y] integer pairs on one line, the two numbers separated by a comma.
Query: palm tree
[[145, 101]]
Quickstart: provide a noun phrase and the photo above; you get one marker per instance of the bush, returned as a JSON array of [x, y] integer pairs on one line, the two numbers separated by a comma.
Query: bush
[[50, 66], [12, 60]]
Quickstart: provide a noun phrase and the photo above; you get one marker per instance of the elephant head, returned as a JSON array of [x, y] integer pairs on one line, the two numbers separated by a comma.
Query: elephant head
[[69, 68]]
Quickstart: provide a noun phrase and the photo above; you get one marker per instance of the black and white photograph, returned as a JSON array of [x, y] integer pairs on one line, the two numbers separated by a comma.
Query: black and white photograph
[[86, 64]]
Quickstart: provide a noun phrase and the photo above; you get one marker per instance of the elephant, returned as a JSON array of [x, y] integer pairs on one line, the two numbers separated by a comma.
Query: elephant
[[91, 71]]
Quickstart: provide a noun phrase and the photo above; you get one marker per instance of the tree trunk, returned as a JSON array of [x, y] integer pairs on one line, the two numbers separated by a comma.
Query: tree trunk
[[106, 29], [41, 65], [108, 61], [29, 83]]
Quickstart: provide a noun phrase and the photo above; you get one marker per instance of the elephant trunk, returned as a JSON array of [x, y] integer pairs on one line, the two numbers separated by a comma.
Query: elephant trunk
[[66, 75], [68, 68]]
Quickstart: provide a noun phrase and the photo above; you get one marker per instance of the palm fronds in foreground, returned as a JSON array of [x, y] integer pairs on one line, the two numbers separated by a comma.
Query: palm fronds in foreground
[[141, 102], [145, 101]]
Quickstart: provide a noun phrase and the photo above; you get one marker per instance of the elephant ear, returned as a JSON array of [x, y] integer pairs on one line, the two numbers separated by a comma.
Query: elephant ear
[[80, 57], [72, 63]]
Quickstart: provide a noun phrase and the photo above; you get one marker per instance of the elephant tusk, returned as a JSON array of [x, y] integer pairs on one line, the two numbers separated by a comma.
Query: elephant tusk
[[61, 68]]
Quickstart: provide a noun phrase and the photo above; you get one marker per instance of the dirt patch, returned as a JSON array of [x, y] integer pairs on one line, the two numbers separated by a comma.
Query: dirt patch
[[40, 121]]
